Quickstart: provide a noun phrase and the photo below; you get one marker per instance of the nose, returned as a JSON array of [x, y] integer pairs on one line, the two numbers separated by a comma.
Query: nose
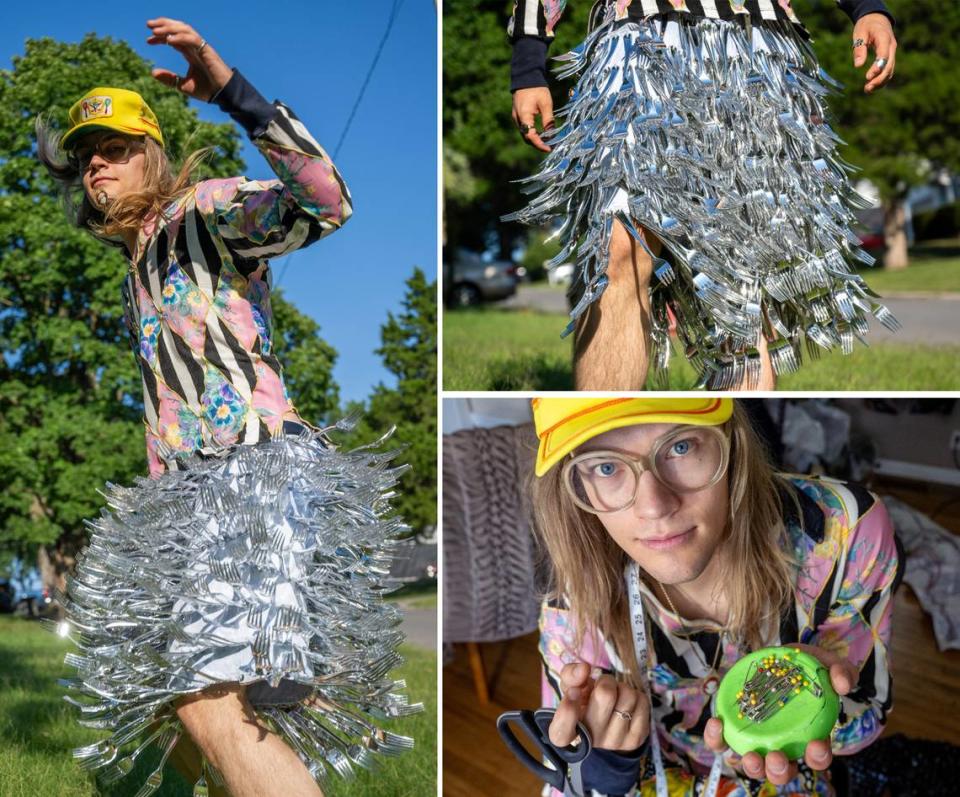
[[654, 499], [97, 161]]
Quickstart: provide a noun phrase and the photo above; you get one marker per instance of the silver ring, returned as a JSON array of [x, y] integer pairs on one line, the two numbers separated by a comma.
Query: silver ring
[[203, 43], [858, 42], [880, 63], [624, 715]]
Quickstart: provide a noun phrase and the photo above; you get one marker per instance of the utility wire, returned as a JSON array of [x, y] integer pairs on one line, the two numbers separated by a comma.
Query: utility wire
[[366, 81], [394, 9]]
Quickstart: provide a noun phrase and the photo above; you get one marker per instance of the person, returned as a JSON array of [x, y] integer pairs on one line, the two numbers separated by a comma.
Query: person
[[676, 549], [697, 186], [235, 594]]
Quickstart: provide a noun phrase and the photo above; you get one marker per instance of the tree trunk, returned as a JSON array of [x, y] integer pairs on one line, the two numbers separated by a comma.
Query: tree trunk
[[54, 563], [895, 232]]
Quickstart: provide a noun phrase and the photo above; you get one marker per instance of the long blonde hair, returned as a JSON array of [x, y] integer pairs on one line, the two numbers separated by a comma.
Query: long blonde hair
[[757, 573], [160, 185]]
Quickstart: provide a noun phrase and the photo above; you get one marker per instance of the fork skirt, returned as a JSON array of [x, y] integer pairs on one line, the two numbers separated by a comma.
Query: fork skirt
[[261, 565], [712, 135]]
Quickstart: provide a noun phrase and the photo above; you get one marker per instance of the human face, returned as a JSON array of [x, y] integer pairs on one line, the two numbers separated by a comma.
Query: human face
[[113, 165], [672, 535]]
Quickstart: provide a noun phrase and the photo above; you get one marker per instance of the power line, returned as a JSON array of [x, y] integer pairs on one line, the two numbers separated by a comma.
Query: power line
[[386, 35], [394, 10]]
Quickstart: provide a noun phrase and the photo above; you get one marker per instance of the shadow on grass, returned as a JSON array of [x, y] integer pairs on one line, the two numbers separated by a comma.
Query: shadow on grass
[[529, 372]]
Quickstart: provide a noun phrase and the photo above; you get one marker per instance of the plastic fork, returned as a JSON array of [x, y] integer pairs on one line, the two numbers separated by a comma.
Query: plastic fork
[[155, 779], [124, 766]]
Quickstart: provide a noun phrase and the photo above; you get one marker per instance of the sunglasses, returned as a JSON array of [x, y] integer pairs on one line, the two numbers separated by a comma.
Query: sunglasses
[[113, 149]]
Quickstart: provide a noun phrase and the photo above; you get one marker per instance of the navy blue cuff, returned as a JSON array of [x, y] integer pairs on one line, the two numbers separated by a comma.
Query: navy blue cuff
[[528, 64], [860, 8], [246, 106], [612, 772]]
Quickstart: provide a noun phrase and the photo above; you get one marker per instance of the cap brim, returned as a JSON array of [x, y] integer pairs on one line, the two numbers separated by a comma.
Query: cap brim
[[70, 138], [564, 437]]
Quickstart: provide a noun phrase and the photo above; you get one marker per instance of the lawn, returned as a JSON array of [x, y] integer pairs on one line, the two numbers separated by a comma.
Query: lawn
[[934, 267], [38, 730], [521, 350]]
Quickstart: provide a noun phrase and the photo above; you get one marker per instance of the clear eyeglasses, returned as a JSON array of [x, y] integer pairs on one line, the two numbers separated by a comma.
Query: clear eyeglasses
[[114, 149], [685, 460]]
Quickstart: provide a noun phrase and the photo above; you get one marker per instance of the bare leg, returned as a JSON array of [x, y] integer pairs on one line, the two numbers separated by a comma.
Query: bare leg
[[612, 338], [768, 379], [254, 761]]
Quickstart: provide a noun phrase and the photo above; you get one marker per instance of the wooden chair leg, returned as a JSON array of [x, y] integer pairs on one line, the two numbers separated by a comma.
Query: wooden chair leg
[[479, 675]]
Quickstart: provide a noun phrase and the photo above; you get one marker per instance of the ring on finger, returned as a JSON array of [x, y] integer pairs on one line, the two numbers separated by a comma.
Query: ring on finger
[[203, 43], [858, 42], [525, 128], [624, 715], [880, 63]]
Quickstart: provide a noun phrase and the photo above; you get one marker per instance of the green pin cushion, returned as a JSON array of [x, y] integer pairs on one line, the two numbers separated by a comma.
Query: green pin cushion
[[776, 699]]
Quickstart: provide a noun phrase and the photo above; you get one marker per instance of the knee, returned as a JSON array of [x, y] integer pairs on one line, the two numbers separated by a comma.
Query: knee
[[628, 261], [211, 716]]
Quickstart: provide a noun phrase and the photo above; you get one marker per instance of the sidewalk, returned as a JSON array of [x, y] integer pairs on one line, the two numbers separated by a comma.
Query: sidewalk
[[930, 319]]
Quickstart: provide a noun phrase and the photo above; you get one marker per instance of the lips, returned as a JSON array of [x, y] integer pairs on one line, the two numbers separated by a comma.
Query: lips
[[669, 541], [99, 180]]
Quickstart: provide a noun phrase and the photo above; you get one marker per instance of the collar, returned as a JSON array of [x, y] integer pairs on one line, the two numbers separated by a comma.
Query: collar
[[810, 517]]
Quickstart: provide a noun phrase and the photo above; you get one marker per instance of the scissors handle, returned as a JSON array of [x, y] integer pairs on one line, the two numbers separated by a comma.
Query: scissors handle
[[536, 725]]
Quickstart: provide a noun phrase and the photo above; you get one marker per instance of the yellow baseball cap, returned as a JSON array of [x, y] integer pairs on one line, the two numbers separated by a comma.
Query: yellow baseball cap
[[564, 423], [111, 109]]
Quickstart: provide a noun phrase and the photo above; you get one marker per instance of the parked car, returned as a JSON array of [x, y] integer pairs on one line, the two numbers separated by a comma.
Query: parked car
[[469, 280], [35, 603], [560, 275]]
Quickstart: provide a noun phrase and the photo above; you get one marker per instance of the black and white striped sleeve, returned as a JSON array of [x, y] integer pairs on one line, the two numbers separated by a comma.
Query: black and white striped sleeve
[[260, 219]]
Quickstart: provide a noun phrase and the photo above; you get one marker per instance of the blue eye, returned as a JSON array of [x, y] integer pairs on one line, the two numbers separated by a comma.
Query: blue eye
[[606, 468], [680, 448]]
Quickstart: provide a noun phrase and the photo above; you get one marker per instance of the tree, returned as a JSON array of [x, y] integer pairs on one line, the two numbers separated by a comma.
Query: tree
[[477, 122], [902, 134], [409, 352], [70, 395]]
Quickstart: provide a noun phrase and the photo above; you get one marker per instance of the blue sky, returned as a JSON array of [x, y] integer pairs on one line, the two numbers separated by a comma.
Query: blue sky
[[313, 56]]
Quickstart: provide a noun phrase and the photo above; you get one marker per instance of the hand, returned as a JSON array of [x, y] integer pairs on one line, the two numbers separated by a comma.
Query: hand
[[818, 755], [877, 32], [529, 103], [593, 703], [207, 73]]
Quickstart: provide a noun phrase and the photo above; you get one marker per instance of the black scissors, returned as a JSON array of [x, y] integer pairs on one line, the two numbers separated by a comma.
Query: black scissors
[[565, 775]]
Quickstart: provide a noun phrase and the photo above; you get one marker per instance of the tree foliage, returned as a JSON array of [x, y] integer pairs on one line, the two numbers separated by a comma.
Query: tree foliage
[[70, 394], [896, 135], [409, 351]]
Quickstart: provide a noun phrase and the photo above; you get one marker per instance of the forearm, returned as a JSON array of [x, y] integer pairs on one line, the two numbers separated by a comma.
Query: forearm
[[307, 173]]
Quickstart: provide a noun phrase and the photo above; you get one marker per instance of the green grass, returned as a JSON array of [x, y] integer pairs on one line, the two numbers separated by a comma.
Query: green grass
[[422, 595], [38, 730], [521, 350], [932, 268]]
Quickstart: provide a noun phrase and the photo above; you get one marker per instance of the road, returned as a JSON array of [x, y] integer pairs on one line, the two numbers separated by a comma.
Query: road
[[927, 320], [420, 626]]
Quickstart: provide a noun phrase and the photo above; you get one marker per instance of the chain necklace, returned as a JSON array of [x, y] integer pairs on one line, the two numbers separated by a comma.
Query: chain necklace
[[712, 678]]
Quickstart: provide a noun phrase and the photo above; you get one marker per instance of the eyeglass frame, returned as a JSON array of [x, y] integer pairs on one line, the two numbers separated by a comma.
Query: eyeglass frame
[[133, 145], [646, 462]]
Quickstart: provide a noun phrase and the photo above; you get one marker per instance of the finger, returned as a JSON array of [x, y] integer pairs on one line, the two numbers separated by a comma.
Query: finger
[[883, 75], [713, 735], [752, 765], [563, 727], [167, 77], [532, 137], [621, 719], [860, 53], [818, 754], [778, 767], [843, 677], [573, 677], [603, 699], [640, 724]]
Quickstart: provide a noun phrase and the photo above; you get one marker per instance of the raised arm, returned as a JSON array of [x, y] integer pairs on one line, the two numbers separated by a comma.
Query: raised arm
[[258, 218]]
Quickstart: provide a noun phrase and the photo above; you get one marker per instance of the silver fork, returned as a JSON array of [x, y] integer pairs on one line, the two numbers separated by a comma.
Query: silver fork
[[155, 779], [124, 766]]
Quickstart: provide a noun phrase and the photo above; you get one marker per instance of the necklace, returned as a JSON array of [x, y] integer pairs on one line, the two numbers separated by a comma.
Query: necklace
[[712, 678]]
